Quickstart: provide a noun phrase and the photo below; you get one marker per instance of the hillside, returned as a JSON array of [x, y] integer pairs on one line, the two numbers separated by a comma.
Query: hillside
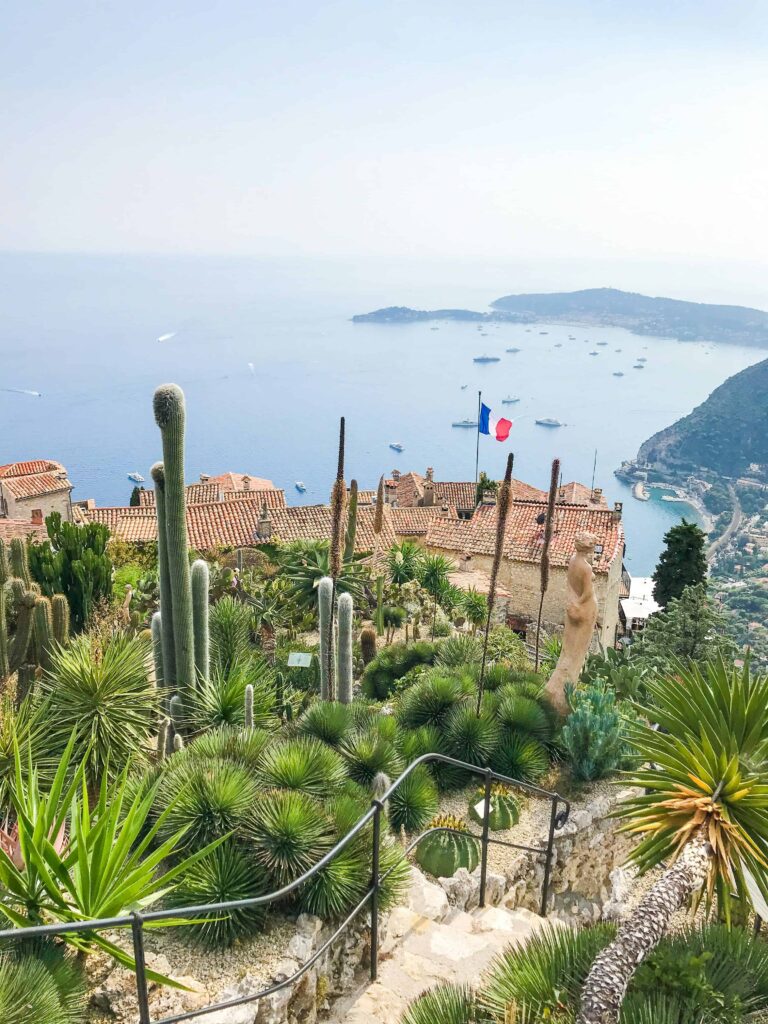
[[641, 314], [724, 434]]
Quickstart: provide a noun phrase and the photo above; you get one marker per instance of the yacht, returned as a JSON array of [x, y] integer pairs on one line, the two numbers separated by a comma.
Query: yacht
[[486, 359], [639, 366], [512, 350], [300, 486], [547, 422], [617, 373], [593, 353], [396, 446], [601, 343], [464, 387], [465, 423], [136, 477], [642, 359], [509, 400]]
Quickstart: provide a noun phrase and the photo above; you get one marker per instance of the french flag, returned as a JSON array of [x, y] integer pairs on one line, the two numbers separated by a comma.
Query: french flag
[[495, 428]]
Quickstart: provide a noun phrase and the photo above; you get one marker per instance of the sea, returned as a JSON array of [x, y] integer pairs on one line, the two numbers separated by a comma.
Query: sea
[[269, 360]]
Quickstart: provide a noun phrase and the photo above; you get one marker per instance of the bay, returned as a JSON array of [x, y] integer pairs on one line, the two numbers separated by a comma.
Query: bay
[[84, 331]]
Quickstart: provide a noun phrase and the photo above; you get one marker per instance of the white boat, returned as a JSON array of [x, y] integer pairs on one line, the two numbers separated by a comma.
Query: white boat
[[547, 422], [136, 477], [300, 486], [594, 353], [617, 373], [639, 366], [396, 446], [465, 423], [601, 342], [486, 359], [509, 400], [512, 350]]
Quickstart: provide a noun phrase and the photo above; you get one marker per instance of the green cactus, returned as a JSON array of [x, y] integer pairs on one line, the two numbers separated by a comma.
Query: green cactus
[[43, 632], [170, 415], [349, 543], [200, 587], [17, 654], [249, 706], [60, 615], [166, 596], [443, 853], [368, 644], [162, 738], [380, 605], [344, 672], [176, 716], [25, 680], [5, 669], [178, 742], [19, 561], [324, 602], [157, 648], [505, 810]]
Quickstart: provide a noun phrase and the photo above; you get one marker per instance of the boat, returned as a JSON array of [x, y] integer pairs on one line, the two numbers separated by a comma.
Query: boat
[[464, 387], [396, 446], [483, 334], [617, 350], [300, 486], [639, 366], [601, 343], [642, 359], [509, 400], [486, 359], [547, 422], [571, 337], [465, 423], [559, 344], [593, 353], [512, 350], [543, 332], [136, 477], [434, 328], [617, 373]]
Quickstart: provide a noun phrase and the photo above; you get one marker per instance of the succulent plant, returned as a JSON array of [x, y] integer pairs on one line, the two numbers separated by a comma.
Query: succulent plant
[[200, 576], [344, 661], [368, 644], [505, 809], [443, 853], [327, 721], [324, 611], [414, 802]]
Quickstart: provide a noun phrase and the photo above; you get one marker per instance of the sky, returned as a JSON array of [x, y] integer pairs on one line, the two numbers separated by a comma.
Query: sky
[[618, 133]]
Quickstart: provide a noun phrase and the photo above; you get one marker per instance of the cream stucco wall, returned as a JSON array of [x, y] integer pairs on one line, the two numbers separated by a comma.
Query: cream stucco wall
[[22, 508]]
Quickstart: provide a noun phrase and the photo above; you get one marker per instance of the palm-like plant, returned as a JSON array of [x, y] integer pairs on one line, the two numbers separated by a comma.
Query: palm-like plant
[[305, 564], [220, 699], [103, 695], [704, 812], [230, 624], [404, 562], [474, 605], [270, 605], [433, 576]]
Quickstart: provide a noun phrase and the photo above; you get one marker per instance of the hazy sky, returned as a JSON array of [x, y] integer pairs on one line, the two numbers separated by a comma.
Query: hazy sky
[[631, 129]]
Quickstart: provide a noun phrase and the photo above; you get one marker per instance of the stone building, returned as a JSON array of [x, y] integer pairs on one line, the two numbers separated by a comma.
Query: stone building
[[30, 491], [471, 544]]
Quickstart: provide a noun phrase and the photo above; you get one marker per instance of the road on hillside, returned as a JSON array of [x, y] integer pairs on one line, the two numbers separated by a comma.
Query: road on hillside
[[732, 527]]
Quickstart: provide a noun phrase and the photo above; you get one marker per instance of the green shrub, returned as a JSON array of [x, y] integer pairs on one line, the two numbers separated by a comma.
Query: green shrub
[[289, 833], [521, 758], [327, 721], [443, 853], [530, 716], [593, 735], [391, 664], [471, 737], [226, 874], [459, 650], [41, 986], [226, 743], [208, 798], [428, 739], [367, 754], [220, 699], [414, 802], [430, 701], [446, 1003], [304, 764], [229, 624]]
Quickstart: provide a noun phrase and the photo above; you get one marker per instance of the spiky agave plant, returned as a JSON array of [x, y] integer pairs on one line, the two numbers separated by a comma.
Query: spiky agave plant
[[471, 737], [549, 523], [368, 753], [429, 701], [414, 802], [444, 1004], [520, 757], [519, 712], [229, 624], [35, 987], [289, 832], [304, 764], [220, 697], [228, 743], [328, 721], [502, 511]]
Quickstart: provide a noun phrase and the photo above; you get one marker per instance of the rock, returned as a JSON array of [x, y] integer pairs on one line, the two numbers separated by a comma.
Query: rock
[[621, 880], [462, 890], [425, 898]]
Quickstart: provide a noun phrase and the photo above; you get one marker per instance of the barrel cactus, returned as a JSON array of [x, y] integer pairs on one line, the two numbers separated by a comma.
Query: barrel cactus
[[505, 810], [345, 669], [443, 853]]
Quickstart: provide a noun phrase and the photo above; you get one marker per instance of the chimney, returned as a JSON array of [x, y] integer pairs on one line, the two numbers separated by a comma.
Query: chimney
[[618, 508], [597, 495], [37, 517], [444, 510], [430, 474], [264, 527], [429, 491], [489, 498], [246, 482], [204, 478], [395, 475]]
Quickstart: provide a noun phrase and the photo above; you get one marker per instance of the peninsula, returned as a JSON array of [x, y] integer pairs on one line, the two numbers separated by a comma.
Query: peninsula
[[641, 314]]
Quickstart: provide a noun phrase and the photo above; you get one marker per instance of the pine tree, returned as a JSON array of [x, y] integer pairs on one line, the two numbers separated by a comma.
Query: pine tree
[[682, 563], [691, 628]]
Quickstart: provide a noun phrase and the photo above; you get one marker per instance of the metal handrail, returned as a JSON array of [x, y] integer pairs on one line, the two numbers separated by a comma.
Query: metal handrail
[[137, 921]]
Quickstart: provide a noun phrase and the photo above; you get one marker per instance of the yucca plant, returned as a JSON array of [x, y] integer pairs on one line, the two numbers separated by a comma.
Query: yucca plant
[[430, 701], [228, 873], [207, 799], [102, 695], [434, 572], [327, 721], [45, 986], [444, 1004], [428, 739], [474, 606], [531, 716], [304, 764], [228, 743], [414, 802], [220, 698], [520, 757], [459, 650], [703, 811], [404, 562], [471, 737], [366, 754], [229, 623], [289, 832]]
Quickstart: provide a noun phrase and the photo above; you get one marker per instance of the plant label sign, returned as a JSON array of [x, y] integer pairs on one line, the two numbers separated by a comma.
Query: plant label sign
[[297, 659]]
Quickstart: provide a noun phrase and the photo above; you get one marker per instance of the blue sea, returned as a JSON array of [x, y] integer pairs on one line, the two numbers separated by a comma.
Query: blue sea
[[84, 330]]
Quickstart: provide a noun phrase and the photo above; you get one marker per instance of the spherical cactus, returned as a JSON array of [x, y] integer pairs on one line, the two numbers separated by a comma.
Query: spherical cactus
[[443, 853], [505, 810], [368, 644]]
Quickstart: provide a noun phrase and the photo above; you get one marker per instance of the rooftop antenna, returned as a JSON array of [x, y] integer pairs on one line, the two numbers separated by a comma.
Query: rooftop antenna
[[594, 467]]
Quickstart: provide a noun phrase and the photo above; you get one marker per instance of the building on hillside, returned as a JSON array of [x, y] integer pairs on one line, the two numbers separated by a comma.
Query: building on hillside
[[470, 544], [238, 482], [25, 529], [411, 490], [206, 494], [639, 604], [412, 523], [30, 491]]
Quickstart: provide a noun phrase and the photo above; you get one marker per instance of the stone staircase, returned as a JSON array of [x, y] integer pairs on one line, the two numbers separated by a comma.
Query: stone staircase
[[429, 942]]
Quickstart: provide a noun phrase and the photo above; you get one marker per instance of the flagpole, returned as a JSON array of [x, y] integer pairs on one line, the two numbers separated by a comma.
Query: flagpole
[[477, 450]]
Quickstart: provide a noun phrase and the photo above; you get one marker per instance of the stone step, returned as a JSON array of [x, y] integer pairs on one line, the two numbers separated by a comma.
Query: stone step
[[420, 952]]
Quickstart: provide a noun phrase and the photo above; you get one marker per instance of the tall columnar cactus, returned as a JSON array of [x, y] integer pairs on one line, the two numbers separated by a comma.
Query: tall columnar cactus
[[170, 416], [25, 680], [176, 716], [324, 606], [368, 644], [5, 669], [249, 706], [43, 632], [166, 595], [378, 523], [349, 544], [200, 587], [345, 674], [17, 654], [19, 561], [60, 614], [157, 648]]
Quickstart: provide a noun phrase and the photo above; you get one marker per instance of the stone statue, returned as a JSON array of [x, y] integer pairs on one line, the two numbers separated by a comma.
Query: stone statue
[[125, 607], [580, 619]]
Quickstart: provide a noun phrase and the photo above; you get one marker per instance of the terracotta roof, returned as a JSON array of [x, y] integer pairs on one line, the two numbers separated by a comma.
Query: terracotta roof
[[10, 528], [236, 482], [574, 493], [272, 497], [366, 497], [196, 494], [413, 522], [408, 491], [524, 536], [30, 468], [236, 524], [32, 479]]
